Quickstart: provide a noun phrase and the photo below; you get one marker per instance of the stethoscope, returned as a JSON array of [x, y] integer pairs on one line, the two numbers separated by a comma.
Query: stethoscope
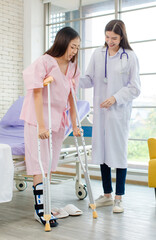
[[121, 55]]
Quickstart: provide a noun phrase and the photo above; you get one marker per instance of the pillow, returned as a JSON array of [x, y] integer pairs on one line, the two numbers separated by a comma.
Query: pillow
[[11, 118]]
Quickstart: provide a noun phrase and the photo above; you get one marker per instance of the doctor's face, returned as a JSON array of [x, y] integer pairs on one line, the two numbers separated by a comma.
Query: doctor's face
[[112, 39], [72, 49]]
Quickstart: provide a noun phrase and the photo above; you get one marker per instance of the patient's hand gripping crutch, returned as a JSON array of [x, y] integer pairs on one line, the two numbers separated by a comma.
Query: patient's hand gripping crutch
[[46, 179], [84, 168]]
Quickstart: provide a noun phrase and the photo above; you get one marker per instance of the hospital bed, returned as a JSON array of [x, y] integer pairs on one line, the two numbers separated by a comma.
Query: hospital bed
[[12, 133]]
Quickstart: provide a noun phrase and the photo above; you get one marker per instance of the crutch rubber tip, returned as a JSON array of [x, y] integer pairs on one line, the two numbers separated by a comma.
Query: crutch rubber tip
[[95, 214], [47, 227], [92, 206]]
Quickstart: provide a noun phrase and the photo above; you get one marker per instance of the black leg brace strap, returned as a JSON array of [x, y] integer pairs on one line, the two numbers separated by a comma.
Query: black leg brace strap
[[37, 206]]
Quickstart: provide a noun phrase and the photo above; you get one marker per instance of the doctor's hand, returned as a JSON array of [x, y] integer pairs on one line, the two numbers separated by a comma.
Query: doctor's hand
[[108, 102], [48, 80], [43, 133], [76, 131]]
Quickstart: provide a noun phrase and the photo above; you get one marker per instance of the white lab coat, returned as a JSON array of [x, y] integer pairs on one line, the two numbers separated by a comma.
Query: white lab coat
[[111, 126]]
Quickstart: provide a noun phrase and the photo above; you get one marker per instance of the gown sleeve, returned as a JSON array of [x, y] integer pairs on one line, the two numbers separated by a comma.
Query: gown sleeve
[[132, 90], [87, 80], [34, 74]]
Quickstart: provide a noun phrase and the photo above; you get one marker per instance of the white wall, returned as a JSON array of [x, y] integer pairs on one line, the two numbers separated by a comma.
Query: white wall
[[21, 42], [33, 30], [11, 52]]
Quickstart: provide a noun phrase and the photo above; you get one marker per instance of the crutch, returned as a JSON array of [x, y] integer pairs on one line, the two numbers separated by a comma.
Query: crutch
[[84, 167], [46, 179]]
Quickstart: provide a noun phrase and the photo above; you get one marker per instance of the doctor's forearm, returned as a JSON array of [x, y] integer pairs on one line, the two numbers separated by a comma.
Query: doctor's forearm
[[126, 94]]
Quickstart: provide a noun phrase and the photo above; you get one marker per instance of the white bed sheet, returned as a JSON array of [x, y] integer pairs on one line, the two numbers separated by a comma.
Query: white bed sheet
[[6, 173]]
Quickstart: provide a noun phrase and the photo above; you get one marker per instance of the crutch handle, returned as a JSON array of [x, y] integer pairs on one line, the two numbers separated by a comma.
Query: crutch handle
[[48, 80]]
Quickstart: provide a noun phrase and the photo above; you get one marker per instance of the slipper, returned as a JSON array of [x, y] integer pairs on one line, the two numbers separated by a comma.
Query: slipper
[[59, 213], [72, 210]]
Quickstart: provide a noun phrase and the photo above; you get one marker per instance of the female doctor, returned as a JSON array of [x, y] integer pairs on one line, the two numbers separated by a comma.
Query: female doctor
[[113, 71]]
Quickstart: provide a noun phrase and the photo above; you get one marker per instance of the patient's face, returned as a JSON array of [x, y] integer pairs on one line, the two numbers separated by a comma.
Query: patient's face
[[72, 49]]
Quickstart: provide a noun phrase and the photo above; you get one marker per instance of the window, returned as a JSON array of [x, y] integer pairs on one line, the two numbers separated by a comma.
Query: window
[[139, 17], [59, 15]]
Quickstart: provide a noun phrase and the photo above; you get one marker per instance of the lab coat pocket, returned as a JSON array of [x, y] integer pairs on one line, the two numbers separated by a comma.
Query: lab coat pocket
[[128, 111], [117, 111]]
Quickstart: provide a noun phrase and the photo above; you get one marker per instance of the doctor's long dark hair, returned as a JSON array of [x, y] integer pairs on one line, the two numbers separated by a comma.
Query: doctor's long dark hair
[[118, 27], [61, 42]]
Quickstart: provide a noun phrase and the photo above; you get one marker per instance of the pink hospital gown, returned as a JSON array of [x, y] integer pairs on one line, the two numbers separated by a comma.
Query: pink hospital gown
[[33, 77]]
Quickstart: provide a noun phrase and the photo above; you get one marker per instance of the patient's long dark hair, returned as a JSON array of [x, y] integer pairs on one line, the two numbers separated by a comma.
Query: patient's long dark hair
[[118, 27], [61, 42]]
